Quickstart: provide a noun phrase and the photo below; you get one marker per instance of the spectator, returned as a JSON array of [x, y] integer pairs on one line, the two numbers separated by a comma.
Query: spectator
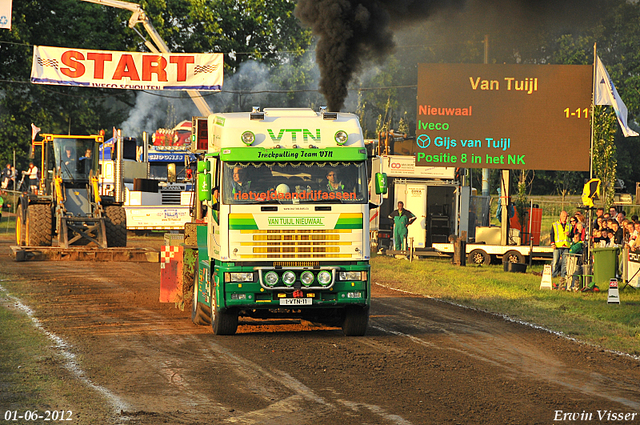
[[596, 238], [611, 238], [621, 216], [32, 175], [577, 226], [573, 221], [6, 177], [613, 212], [560, 242], [14, 176], [575, 256], [598, 223], [401, 220], [2, 194], [599, 214], [634, 240], [627, 225], [617, 231], [580, 230], [605, 224]]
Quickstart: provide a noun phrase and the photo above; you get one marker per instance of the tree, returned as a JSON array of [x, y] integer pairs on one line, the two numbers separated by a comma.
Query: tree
[[604, 151], [244, 30]]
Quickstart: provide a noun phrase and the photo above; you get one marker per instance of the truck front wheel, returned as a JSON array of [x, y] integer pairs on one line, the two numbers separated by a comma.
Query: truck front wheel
[[223, 322], [355, 321]]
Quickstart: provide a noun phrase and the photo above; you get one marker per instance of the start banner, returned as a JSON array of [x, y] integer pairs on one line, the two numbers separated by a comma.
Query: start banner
[[127, 70]]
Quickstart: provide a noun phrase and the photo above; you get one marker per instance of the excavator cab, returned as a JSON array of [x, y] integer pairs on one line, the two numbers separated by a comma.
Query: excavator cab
[[75, 159], [74, 165]]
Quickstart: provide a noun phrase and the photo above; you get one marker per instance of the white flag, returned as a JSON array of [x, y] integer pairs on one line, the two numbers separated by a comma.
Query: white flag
[[5, 14], [606, 94], [34, 131]]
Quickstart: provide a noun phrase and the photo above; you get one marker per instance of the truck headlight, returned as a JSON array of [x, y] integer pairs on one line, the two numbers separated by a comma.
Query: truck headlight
[[341, 137], [352, 275], [324, 278], [248, 138], [271, 278], [241, 277], [288, 277], [307, 278]]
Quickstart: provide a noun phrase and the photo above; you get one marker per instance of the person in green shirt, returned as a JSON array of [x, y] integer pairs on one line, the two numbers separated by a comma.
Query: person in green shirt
[[575, 257], [401, 220], [2, 194]]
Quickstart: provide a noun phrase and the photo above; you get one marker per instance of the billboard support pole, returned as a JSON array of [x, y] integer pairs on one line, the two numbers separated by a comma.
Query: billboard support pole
[[504, 202], [486, 173]]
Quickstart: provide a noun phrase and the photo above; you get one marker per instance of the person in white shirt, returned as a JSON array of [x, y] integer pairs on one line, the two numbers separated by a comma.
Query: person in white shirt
[[32, 173]]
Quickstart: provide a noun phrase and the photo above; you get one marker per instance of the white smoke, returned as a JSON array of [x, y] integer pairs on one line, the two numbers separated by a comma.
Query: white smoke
[[254, 84], [155, 110]]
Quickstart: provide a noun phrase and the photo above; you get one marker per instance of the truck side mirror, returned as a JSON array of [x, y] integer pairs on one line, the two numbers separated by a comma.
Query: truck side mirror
[[204, 187], [381, 183], [204, 166]]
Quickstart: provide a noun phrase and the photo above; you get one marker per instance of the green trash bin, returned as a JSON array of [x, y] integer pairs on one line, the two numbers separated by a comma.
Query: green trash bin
[[605, 262]]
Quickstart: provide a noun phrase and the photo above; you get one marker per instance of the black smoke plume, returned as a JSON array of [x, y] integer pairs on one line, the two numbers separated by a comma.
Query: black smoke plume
[[352, 32]]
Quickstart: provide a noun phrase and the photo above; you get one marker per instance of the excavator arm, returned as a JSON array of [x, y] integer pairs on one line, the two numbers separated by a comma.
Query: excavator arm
[[156, 45]]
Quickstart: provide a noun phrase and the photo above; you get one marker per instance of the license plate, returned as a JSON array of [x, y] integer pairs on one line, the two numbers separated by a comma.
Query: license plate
[[295, 301]]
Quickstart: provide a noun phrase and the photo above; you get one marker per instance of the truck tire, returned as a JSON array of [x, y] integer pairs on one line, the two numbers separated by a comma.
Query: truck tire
[[478, 256], [198, 314], [355, 321], [115, 226], [513, 257], [38, 226], [223, 322]]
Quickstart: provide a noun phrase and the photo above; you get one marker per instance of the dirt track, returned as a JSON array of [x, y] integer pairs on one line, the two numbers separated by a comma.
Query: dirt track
[[422, 361]]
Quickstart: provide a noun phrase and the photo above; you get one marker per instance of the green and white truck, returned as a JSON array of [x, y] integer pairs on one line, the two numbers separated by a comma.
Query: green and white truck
[[284, 195]]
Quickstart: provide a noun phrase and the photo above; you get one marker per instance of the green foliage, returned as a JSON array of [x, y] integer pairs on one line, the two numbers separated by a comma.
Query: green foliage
[[260, 30], [604, 151], [520, 200]]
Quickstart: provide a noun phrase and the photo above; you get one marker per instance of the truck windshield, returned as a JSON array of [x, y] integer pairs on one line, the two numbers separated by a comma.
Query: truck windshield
[[158, 171], [294, 182], [74, 158]]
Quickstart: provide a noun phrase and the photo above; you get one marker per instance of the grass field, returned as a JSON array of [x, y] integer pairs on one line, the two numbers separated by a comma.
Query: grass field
[[585, 316]]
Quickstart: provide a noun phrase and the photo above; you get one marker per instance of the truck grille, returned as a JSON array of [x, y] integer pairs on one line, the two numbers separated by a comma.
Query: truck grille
[[170, 197], [294, 243], [340, 238]]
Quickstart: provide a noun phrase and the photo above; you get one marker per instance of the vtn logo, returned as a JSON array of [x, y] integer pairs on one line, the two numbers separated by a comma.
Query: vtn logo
[[423, 141], [306, 134]]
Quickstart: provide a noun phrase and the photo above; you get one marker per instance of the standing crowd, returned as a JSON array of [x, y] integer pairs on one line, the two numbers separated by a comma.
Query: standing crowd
[[568, 236], [28, 182]]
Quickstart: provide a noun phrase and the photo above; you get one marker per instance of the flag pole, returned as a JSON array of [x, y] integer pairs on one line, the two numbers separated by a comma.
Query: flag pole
[[588, 252], [593, 95]]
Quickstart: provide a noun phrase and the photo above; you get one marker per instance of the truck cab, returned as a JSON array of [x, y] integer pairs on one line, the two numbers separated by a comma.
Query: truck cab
[[287, 220]]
